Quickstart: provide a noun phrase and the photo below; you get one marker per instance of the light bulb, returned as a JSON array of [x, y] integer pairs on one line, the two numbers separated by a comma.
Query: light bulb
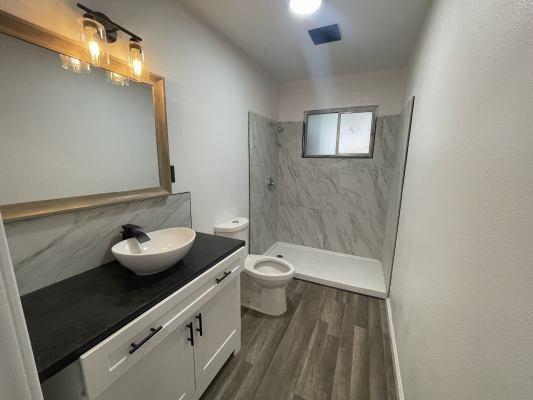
[[136, 58], [304, 7], [94, 51], [137, 68]]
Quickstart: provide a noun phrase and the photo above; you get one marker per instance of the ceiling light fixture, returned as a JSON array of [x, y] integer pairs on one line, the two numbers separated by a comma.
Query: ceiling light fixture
[[304, 7]]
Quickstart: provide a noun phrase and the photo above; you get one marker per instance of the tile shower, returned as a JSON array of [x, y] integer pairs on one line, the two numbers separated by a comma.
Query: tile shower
[[347, 208]]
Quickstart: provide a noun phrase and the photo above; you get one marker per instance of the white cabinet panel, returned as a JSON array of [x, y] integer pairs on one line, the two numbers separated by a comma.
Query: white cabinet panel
[[220, 321], [165, 373]]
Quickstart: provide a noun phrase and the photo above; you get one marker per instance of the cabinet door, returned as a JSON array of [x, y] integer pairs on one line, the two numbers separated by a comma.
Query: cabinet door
[[220, 335], [165, 373]]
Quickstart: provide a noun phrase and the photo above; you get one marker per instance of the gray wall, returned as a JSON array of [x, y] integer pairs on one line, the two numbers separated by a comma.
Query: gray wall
[[335, 204], [50, 249], [263, 165], [462, 284]]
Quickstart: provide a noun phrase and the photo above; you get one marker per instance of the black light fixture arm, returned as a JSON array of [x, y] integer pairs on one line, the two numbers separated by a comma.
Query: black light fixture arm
[[110, 26]]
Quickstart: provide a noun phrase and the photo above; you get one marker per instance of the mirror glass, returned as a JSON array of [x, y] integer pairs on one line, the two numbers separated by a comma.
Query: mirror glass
[[64, 134]]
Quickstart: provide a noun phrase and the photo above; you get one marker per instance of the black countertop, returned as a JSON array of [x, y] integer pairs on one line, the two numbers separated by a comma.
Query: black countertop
[[70, 317]]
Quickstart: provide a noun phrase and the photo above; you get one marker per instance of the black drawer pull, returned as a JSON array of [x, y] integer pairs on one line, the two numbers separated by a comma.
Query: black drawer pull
[[135, 346], [200, 327], [191, 333], [226, 274]]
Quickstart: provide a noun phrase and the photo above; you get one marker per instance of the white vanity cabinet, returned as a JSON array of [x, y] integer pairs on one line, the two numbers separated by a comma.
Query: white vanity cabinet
[[220, 333], [171, 352], [164, 373]]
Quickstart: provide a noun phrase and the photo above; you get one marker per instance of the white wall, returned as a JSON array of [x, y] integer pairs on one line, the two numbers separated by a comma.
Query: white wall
[[210, 88], [462, 285], [382, 88]]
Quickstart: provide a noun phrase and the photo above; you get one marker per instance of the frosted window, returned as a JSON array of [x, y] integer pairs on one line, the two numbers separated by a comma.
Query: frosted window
[[354, 133], [322, 134], [342, 132]]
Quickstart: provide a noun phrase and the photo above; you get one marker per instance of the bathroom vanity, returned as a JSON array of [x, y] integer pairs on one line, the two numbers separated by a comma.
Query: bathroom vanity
[[109, 334]]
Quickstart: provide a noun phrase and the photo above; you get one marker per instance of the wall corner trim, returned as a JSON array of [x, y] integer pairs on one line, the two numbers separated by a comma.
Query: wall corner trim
[[397, 374]]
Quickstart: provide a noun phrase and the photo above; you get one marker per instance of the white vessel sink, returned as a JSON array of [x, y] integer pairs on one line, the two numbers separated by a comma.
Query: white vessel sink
[[164, 249]]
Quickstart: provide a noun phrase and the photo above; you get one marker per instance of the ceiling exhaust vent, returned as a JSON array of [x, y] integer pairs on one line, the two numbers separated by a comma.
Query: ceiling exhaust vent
[[325, 34]]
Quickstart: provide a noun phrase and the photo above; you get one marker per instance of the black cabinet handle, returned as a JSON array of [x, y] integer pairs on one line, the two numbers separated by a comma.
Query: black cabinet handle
[[200, 327], [136, 346], [226, 274], [191, 333]]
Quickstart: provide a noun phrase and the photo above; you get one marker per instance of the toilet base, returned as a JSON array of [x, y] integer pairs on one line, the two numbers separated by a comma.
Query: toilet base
[[274, 301], [267, 301]]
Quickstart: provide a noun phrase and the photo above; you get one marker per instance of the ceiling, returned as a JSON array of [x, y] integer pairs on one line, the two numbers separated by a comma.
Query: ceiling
[[376, 34]]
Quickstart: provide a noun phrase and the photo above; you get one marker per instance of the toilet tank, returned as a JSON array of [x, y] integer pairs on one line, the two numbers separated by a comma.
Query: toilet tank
[[236, 228]]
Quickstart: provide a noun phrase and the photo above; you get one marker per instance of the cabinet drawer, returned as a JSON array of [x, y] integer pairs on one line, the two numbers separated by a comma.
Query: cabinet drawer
[[113, 357]]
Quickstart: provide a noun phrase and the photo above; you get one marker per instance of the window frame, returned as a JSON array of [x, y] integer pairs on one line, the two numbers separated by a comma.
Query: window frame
[[340, 111]]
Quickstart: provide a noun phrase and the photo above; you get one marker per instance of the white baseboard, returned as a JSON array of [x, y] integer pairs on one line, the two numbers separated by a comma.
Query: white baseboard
[[397, 374]]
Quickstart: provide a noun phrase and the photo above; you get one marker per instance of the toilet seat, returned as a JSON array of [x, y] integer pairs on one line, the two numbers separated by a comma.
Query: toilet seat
[[266, 277], [268, 268]]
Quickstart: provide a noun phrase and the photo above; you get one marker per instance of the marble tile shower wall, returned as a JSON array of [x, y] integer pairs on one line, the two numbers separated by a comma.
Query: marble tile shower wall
[[263, 165], [50, 249], [335, 204]]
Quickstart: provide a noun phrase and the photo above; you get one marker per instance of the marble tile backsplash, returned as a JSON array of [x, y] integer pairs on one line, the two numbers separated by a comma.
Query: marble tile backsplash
[[50, 249]]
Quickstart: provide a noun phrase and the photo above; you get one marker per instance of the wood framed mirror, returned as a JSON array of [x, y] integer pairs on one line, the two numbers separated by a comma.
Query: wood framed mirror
[[127, 128]]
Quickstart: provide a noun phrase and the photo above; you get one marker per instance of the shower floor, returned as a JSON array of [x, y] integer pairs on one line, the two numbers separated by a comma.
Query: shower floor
[[343, 271]]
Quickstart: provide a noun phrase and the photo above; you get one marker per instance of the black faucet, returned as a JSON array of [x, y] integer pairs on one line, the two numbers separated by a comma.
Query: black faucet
[[134, 231]]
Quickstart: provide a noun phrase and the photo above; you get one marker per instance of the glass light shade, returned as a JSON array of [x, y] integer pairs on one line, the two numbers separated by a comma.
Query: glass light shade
[[136, 59], [305, 6], [93, 37], [117, 79], [74, 65]]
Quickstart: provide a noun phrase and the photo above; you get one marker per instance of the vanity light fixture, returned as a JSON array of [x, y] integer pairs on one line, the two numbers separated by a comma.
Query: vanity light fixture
[[305, 7], [116, 78], [75, 65], [97, 30]]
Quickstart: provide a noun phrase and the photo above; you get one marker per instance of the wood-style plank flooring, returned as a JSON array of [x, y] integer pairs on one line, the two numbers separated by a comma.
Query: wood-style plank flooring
[[330, 344]]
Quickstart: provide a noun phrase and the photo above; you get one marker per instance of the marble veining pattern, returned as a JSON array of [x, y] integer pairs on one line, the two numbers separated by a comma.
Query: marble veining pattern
[[335, 204], [263, 165], [50, 249]]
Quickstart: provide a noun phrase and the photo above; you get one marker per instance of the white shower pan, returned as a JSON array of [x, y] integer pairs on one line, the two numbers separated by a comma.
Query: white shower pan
[[342, 271]]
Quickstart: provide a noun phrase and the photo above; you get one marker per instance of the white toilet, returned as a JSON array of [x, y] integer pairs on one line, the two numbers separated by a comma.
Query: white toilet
[[265, 278]]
